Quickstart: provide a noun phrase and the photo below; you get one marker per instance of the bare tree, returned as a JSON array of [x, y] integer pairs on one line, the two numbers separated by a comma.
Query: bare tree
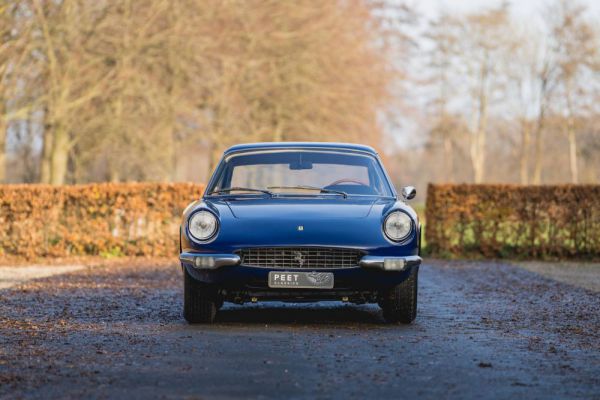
[[444, 35], [528, 78], [484, 40], [7, 49], [70, 82], [4, 38], [134, 90], [576, 47]]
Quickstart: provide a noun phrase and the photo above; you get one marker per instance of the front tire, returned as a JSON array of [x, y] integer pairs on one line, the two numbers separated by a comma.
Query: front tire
[[399, 304], [200, 302]]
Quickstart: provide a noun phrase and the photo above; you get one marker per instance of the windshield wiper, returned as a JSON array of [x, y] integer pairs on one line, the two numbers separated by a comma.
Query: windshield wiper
[[323, 190], [240, 189]]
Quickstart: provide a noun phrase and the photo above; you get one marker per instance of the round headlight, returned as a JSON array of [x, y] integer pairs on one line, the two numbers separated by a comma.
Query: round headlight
[[202, 225], [397, 226]]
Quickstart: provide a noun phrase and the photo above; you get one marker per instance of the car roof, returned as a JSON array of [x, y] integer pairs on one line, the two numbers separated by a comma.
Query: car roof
[[300, 145]]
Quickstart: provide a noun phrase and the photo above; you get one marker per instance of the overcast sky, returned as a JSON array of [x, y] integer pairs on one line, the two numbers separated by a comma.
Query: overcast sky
[[409, 134], [521, 8]]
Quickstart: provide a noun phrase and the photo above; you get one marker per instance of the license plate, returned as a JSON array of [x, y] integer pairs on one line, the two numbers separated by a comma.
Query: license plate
[[301, 280]]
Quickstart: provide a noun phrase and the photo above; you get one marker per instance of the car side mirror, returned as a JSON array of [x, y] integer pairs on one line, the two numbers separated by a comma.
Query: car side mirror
[[409, 192]]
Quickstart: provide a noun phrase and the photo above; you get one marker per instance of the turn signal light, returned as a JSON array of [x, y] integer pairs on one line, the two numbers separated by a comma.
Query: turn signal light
[[204, 262], [394, 264]]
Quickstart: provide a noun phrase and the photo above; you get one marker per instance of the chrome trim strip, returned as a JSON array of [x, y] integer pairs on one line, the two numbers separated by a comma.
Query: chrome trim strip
[[341, 150], [378, 261], [221, 260]]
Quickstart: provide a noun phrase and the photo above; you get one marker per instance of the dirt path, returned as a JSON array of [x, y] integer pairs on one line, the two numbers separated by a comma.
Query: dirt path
[[484, 330], [12, 276], [582, 274]]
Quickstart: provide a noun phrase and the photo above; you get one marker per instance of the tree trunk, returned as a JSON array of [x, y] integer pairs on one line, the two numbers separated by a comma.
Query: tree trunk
[[525, 143], [571, 134], [539, 148], [572, 150], [59, 157], [45, 165], [479, 139], [215, 156], [473, 153], [113, 175], [539, 133], [3, 129], [478, 145], [448, 157]]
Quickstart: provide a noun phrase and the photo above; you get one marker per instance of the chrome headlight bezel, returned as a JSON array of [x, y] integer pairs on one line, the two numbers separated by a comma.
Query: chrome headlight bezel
[[402, 214], [211, 235]]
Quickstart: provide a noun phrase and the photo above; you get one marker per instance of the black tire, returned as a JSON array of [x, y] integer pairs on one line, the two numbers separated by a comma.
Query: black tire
[[400, 303], [199, 301]]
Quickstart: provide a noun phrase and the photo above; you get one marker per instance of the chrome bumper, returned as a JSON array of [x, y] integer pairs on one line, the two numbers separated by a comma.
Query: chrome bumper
[[389, 263], [214, 261], [209, 261]]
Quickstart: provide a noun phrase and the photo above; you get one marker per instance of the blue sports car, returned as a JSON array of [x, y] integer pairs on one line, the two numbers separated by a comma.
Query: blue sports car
[[300, 222]]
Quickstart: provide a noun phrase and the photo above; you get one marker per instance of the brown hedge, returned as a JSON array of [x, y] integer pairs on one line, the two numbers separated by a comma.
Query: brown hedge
[[560, 221], [133, 219]]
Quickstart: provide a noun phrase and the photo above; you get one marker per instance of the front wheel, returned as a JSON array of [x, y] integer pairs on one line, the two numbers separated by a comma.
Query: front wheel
[[200, 302], [399, 304]]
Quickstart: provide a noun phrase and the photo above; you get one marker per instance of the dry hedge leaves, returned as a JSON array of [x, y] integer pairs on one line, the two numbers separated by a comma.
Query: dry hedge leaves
[[558, 221], [142, 219], [130, 219]]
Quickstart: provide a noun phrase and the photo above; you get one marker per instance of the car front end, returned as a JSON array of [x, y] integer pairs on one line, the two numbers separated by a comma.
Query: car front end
[[352, 245]]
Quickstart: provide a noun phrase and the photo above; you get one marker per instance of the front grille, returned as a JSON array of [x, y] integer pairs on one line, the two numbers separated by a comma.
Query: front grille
[[300, 257]]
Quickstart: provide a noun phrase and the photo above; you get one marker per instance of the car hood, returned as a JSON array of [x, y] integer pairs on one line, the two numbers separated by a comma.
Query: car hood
[[302, 209], [263, 222]]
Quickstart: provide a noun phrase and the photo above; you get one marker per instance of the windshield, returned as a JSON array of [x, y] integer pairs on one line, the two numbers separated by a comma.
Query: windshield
[[301, 172]]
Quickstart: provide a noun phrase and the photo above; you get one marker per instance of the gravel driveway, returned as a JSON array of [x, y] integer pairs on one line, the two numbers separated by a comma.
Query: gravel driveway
[[484, 330]]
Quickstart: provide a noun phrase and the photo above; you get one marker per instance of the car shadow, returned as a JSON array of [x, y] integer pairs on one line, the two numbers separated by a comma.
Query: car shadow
[[151, 296], [322, 313]]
